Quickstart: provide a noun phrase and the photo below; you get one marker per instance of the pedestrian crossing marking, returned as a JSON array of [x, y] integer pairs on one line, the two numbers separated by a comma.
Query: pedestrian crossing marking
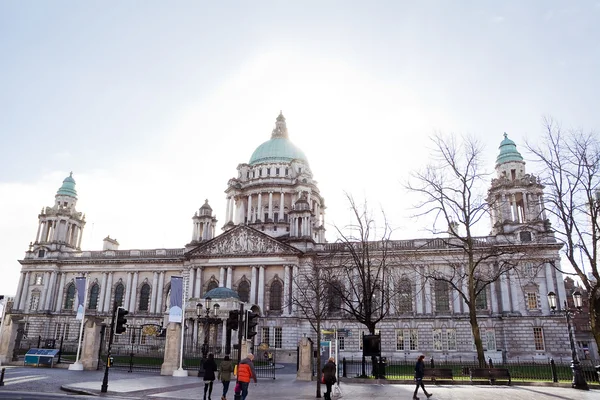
[[22, 379]]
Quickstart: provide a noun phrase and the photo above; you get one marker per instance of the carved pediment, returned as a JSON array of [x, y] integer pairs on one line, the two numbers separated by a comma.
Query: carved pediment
[[243, 240]]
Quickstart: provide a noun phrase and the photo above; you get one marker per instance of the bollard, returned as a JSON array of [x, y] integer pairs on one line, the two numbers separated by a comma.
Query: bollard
[[553, 369], [2, 377], [344, 367]]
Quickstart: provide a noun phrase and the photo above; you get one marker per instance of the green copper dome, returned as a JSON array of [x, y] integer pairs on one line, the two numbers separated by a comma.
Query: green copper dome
[[508, 151], [279, 148], [68, 187], [221, 293]]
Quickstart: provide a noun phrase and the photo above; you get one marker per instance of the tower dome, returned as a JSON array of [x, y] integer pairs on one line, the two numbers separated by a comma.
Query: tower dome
[[279, 148], [68, 187], [508, 151]]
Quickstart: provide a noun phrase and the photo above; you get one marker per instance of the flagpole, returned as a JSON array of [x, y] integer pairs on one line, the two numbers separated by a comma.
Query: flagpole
[[181, 371], [78, 366]]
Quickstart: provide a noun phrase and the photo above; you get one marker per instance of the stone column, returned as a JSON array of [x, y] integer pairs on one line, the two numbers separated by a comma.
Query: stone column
[[37, 235], [228, 212], [102, 292], [514, 293], [281, 206], [249, 214], [51, 291], [44, 294], [505, 293], [419, 309], [295, 289], [259, 211], [91, 343], [229, 277], [172, 349], [17, 301], [154, 291], [305, 358], [428, 302], [525, 207], [25, 293], [128, 290], [286, 289], [253, 284], [159, 292], [562, 294], [494, 298], [108, 307], [134, 285], [198, 287], [79, 233], [61, 288], [549, 280], [515, 209], [221, 277], [261, 288], [271, 206]]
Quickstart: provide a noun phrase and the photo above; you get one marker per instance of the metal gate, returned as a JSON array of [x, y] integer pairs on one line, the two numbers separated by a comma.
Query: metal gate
[[62, 336], [140, 348], [264, 363]]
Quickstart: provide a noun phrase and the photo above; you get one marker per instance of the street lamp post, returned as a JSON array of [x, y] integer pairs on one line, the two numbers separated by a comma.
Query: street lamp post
[[578, 378], [207, 320]]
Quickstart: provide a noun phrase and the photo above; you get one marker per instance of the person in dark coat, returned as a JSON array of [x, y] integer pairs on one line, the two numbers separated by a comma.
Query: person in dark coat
[[329, 376], [419, 374], [210, 366]]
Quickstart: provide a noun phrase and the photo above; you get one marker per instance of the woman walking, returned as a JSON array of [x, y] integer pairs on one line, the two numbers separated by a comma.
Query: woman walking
[[419, 374], [210, 366], [329, 376], [225, 371]]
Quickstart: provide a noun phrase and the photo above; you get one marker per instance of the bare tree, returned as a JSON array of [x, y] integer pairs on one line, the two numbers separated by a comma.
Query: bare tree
[[310, 296], [451, 191], [571, 165], [360, 269]]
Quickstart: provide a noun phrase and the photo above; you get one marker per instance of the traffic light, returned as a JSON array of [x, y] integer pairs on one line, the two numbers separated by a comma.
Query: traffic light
[[251, 322], [233, 320], [121, 321]]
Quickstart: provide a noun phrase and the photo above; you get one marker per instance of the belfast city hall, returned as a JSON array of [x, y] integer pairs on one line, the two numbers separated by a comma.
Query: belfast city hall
[[273, 230]]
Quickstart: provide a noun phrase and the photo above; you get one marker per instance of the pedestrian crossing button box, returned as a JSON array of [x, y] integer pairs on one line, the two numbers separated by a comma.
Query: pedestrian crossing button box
[[40, 357]]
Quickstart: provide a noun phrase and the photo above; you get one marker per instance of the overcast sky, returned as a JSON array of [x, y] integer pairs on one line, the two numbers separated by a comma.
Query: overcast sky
[[153, 104]]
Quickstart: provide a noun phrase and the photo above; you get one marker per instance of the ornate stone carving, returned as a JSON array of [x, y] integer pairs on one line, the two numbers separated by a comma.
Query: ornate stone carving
[[244, 240]]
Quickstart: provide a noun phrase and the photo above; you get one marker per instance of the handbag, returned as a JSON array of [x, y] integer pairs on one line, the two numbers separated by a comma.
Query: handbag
[[238, 388], [323, 378]]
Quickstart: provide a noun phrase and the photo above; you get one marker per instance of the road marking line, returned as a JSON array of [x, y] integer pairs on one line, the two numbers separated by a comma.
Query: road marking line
[[22, 379]]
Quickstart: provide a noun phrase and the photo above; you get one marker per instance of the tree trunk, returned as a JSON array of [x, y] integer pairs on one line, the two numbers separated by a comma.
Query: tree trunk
[[477, 337]]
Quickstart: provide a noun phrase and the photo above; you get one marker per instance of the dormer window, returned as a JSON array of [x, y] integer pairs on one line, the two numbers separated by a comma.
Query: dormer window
[[41, 253], [268, 171], [286, 172], [513, 174], [277, 171], [248, 175]]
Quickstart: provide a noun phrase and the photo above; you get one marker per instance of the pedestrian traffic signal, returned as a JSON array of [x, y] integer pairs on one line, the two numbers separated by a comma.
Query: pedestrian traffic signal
[[233, 320], [121, 321], [251, 322]]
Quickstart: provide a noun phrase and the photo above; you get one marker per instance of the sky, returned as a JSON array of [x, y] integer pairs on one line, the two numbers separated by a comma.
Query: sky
[[154, 104]]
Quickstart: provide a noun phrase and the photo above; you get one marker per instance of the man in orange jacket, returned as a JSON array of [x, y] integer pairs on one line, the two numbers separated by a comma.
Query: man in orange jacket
[[245, 372]]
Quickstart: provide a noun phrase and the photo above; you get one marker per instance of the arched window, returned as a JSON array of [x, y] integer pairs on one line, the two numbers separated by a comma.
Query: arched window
[[119, 291], [481, 302], [94, 293], [70, 297], [211, 285], [244, 291], [442, 296], [275, 296], [334, 298], [405, 301], [144, 297]]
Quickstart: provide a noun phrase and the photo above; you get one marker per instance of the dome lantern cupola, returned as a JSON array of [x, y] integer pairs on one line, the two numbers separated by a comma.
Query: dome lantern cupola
[[68, 187], [508, 151]]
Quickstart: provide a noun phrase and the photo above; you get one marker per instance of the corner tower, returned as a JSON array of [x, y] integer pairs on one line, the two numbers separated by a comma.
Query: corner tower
[[268, 188], [60, 226], [516, 198]]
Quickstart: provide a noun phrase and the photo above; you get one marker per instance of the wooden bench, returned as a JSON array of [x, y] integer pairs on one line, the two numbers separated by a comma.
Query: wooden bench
[[490, 374], [438, 373]]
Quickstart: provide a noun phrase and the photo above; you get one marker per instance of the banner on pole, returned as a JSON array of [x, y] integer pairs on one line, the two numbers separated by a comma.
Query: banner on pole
[[80, 286], [176, 306]]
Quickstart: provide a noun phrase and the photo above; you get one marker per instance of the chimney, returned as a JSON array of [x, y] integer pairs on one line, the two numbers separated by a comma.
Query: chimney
[[110, 244]]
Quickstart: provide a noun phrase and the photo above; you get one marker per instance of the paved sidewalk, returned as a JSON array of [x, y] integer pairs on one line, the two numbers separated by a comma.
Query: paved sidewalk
[[286, 387]]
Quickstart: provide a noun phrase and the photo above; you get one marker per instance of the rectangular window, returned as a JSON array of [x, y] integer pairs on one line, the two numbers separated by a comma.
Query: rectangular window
[[341, 342], [451, 338], [538, 338], [265, 335], [532, 301], [399, 339], [268, 171], [437, 340], [58, 332], [286, 172], [442, 296], [277, 171], [414, 340], [278, 338]]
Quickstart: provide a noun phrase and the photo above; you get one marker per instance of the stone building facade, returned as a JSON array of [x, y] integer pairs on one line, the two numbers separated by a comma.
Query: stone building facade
[[273, 227]]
